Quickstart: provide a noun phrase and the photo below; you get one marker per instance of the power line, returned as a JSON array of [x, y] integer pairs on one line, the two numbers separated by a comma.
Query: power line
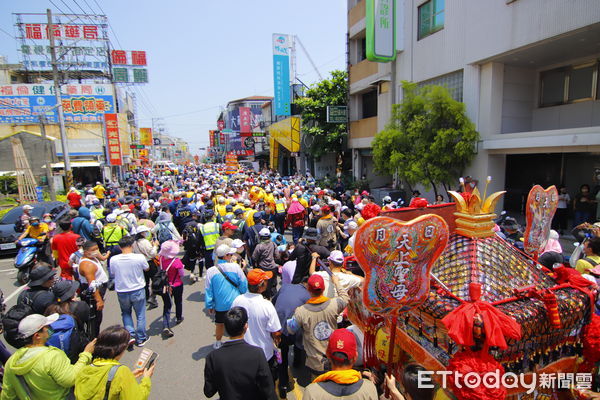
[[2, 30]]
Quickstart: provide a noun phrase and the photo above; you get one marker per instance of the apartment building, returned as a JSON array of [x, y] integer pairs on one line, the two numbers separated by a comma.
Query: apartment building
[[527, 71]]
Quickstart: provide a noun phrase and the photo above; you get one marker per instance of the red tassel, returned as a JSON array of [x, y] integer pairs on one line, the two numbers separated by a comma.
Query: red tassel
[[549, 299], [497, 325], [370, 210], [591, 342], [479, 363]]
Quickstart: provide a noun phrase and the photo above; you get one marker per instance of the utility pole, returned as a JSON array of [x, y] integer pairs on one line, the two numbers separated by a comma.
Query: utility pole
[[61, 117], [48, 158]]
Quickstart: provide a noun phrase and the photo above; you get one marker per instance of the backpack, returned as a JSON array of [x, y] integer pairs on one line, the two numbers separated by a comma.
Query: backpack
[[11, 320], [191, 236], [160, 280], [19, 225], [163, 233], [253, 237], [67, 337]]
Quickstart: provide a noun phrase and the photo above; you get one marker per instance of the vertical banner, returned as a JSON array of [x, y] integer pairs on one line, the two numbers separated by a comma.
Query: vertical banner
[[381, 30], [245, 120], [112, 139], [211, 138], [146, 136], [220, 124], [281, 73]]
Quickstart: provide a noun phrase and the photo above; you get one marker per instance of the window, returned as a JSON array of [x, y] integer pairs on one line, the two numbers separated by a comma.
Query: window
[[369, 104], [362, 49], [569, 84], [431, 18], [452, 81]]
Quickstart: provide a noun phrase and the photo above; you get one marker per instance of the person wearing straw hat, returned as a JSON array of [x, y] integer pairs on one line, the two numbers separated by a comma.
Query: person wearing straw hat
[[37, 371]]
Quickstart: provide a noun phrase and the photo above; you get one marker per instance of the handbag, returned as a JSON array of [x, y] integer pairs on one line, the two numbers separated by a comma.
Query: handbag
[[228, 278]]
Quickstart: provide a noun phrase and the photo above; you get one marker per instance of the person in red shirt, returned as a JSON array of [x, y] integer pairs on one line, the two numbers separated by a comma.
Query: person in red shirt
[[63, 245], [74, 198]]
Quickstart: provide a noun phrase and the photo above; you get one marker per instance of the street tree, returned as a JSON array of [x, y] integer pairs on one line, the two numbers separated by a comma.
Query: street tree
[[429, 139], [324, 137]]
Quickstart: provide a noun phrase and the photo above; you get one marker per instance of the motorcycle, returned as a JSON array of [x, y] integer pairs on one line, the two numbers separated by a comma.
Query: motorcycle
[[26, 258]]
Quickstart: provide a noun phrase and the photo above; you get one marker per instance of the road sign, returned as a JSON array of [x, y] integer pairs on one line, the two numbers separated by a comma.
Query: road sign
[[337, 114], [157, 141]]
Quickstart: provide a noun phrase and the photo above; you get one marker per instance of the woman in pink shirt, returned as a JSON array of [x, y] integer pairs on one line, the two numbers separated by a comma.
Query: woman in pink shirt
[[174, 267]]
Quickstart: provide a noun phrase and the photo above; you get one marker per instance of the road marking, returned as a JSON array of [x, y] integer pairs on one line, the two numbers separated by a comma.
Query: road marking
[[13, 294], [9, 270]]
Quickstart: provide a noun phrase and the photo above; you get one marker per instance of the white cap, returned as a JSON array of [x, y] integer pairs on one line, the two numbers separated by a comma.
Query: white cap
[[111, 217], [27, 207], [359, 206], [336, 256], [237, 243], [352, 225], [264, 232], [316, 208], [34, 322], [223, 250]]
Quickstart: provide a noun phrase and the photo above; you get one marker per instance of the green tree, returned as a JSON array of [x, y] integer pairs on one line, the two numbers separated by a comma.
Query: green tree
[[429, 139], [326, 138]]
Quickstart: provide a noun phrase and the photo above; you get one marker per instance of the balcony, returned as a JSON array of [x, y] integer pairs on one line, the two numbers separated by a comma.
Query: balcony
[[363, 70], [357, 13], [363, 128]]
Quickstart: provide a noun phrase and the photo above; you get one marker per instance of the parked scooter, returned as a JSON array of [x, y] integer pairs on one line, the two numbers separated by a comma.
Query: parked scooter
[[26, 258]]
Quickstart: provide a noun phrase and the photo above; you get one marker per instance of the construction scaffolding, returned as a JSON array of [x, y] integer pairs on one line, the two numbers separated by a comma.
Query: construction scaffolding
[[25, 179]]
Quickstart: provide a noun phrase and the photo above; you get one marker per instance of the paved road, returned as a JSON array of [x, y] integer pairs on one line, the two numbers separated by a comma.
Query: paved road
[[180, 368]]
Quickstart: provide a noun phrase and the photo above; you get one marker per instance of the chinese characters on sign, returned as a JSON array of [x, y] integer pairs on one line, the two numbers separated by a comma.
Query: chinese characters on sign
[[23, 103], [129, 60], [63, 32], [113, 141], [281, 74], [146, 136], [381, 30]]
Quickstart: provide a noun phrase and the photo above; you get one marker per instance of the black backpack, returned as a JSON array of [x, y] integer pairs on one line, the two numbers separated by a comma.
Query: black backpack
[[11, 321], [160, 280], [19, 226]]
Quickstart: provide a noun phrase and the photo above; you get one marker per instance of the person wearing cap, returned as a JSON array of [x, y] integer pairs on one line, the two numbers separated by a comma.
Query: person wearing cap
[[238, 370], [328, 229], [228, 230], [336, 264], [303, 251], [74, 198], [251, 235], [264, 257], [112, 232], [224, 282], [44, 371], [296, 218], [280, 212], [240, 256], [318, 319], [315, 215], [147, 247], [239, 221], [36, 230], [24, 218], [351, 229], [67, 302], [39, 289], [342, 381], [264, 328], [173, 266]]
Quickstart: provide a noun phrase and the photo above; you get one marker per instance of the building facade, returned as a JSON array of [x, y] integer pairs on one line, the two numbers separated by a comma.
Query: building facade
[[527, 71]]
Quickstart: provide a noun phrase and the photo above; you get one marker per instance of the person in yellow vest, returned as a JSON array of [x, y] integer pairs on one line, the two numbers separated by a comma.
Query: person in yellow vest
[[210, 233], [301, 199], [221, 208], [280, 213], [250, 217], [269, 201], [99, 191]]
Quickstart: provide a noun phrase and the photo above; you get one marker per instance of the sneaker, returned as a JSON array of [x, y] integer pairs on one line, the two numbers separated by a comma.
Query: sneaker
[[217, 344], [130, 344], [167, 333], [142, 342], [179, 320], [152, 306]]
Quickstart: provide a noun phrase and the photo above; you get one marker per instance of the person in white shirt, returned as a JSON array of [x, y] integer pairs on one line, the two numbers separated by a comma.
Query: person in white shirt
[[128, 269], [336, 263], [264, 327]]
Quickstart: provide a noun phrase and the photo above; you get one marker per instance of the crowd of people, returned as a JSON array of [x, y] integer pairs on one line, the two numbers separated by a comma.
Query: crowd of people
[[274, 254]]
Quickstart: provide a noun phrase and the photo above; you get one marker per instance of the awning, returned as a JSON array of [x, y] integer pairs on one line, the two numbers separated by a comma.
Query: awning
[[286, 133], [76, 164]]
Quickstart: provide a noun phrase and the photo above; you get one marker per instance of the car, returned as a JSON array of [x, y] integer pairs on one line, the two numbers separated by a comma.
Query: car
[[8, 235]]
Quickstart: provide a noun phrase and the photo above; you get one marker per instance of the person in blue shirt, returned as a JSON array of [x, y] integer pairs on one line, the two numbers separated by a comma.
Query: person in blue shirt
[[224, 282]]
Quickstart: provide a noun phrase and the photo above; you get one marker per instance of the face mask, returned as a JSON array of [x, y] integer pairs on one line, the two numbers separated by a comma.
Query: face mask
[[47, 220], [35, 223]]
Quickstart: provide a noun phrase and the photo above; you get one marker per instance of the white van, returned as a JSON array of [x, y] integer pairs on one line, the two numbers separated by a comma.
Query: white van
[[162, 166]]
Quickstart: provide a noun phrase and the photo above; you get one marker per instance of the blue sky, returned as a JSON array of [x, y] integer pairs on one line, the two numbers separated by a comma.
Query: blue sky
[[204, 53]]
